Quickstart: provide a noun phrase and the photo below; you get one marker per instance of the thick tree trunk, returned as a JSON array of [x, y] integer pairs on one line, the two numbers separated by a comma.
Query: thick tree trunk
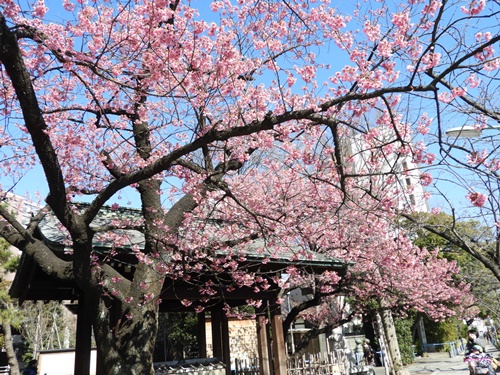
[[392, 343], [9, 348], [132, 342], [125, 332]]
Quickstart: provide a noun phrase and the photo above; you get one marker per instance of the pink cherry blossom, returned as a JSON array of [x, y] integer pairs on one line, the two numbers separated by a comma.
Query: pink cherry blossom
[[477, 199], [432, 8], [426, 179], [247, 133], [475, 7]]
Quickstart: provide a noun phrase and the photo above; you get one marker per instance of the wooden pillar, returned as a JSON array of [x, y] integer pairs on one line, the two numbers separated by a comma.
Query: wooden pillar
[[202, 335], [217, 333], [263, 343], [220, 337], [226, 351], [99, 370], [269, 341], [421, 330], [83, 340], [279, 349]]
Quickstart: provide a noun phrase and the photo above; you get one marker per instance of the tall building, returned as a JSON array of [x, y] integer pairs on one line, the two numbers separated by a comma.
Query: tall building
[[389, 172]]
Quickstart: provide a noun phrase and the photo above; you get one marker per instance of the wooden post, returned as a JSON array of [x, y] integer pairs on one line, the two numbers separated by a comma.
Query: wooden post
[[279, 349], [220, 337], [263, 345], [421, 330], [83, 340], [226, 351], [217, 333], [99, 364], [202, 335]]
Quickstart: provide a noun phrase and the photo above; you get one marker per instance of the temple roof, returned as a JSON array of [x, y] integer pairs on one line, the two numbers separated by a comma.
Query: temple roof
[[31, 283]]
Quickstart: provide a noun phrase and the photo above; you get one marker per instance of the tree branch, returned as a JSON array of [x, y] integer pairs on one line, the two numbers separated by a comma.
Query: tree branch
[[12, 59]]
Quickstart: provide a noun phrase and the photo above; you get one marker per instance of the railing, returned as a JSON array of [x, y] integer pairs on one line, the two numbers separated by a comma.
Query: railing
[[4, 369], [332, 363], [453, 348], [248, 366], [199, 366]]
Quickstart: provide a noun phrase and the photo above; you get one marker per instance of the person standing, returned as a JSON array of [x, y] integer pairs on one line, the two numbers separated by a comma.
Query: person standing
[[369, 353], [473, 339]]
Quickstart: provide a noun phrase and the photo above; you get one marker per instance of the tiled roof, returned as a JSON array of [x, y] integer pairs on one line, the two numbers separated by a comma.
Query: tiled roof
[[255, 251], [52, 231]]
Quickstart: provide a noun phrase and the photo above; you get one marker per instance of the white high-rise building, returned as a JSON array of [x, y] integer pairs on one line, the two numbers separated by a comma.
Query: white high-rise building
[[390, 172]]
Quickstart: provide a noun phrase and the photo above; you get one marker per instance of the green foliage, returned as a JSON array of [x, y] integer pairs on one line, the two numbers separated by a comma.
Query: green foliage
[[451, 329], [8, 309], [177, 336], [8, 262], [8, 313], [404, 335], [484, 285], [11, 264], [472, 230], [5, 254], [26, 357], [10, 316]]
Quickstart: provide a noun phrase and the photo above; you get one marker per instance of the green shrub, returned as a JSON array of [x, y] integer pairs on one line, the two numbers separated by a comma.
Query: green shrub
[[451, 329], [403, 333]]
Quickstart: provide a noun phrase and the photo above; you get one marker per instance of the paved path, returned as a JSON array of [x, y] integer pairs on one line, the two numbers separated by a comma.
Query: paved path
[[439, 364]]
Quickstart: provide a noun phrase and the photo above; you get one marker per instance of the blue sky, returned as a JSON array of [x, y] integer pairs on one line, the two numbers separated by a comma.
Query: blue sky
[[34, 182]]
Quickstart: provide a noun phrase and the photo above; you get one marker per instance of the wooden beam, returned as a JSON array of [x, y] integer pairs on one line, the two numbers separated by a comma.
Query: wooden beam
[[99, 364], [172, 292], [83, 340], [50, 294]]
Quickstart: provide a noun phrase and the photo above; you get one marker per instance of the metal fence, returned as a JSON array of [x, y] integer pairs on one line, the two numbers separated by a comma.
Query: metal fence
[[332, 363], [247, 366], [202, 366], [453, 348]]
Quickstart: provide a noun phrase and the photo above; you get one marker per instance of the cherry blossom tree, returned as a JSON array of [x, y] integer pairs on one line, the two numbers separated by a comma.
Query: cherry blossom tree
[[386, 268], [469, 167], [484, 285], [463, 132], [466, 192], [189, 108]]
